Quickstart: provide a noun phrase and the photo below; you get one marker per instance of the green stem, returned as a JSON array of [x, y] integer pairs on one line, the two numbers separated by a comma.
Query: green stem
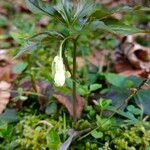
[[66, 60], [74, 80], [33, 81]]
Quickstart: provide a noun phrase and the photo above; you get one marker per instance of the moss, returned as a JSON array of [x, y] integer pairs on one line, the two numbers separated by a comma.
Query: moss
[[136, 137]]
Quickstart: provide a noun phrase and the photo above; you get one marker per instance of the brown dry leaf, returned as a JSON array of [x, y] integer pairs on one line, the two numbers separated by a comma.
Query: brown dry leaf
[[131, 58], [42, 88], [138, 56], [5, 93], [6, 69], [6, 77], [65, 100]]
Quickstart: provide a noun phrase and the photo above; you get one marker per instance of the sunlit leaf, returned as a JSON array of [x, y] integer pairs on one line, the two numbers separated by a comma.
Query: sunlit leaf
[[95, 87], [53, 140], [97, 134]]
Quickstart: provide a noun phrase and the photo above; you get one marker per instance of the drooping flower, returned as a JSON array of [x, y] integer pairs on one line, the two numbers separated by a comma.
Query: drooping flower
[[58, 71]]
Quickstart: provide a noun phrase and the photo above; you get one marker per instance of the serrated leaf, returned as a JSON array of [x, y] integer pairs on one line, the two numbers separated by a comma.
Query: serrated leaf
[[64, 7], [30, 46], [84, 9], [124, 29], [99, 14], [100, 25], [42, 35], [39, 6], [128, 9], [32, 8], [115, 28], [47, 9]]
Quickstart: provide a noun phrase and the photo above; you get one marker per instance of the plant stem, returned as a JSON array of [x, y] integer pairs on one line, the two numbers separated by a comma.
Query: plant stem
[[74, 79]]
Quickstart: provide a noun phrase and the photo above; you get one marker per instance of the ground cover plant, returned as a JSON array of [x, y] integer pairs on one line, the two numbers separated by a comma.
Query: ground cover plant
[[74, 75]]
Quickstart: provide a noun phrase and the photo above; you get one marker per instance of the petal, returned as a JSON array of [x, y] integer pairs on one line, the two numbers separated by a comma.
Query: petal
[[59, 79]]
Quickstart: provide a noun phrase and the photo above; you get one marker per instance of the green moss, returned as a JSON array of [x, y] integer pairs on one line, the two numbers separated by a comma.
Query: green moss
[[136, 137]]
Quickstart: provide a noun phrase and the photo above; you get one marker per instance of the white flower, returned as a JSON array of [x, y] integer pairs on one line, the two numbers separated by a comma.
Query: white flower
[[58, 71]]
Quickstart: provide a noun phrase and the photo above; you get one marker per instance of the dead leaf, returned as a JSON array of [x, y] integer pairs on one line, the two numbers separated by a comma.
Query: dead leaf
[[6, 77], [66, 101], [43, 90], [5, 94], [131, 58], [6, 69]]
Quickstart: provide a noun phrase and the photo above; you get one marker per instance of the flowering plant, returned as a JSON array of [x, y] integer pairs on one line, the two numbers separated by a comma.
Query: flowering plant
[[77, 20]]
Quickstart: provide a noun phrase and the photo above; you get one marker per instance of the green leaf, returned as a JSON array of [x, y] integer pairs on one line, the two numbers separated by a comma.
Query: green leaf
[[42, 35], [121, 81], [103, 14], [19, 67], [99, 14], [32, 7], [69, 82], [84, 9], [39, 6], [118, 95], [124, 29], [51, 109], [115, 79], [143, 98], [28, 47], [3, 21], [128, 9], [100, 25], [19, 37], [95, 87], [53, 140], [48, 9], [64, 7], [96, 134], [115, 28], [122, 113], [104, 103], [83, 90], [134, 110], [9, 116]]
